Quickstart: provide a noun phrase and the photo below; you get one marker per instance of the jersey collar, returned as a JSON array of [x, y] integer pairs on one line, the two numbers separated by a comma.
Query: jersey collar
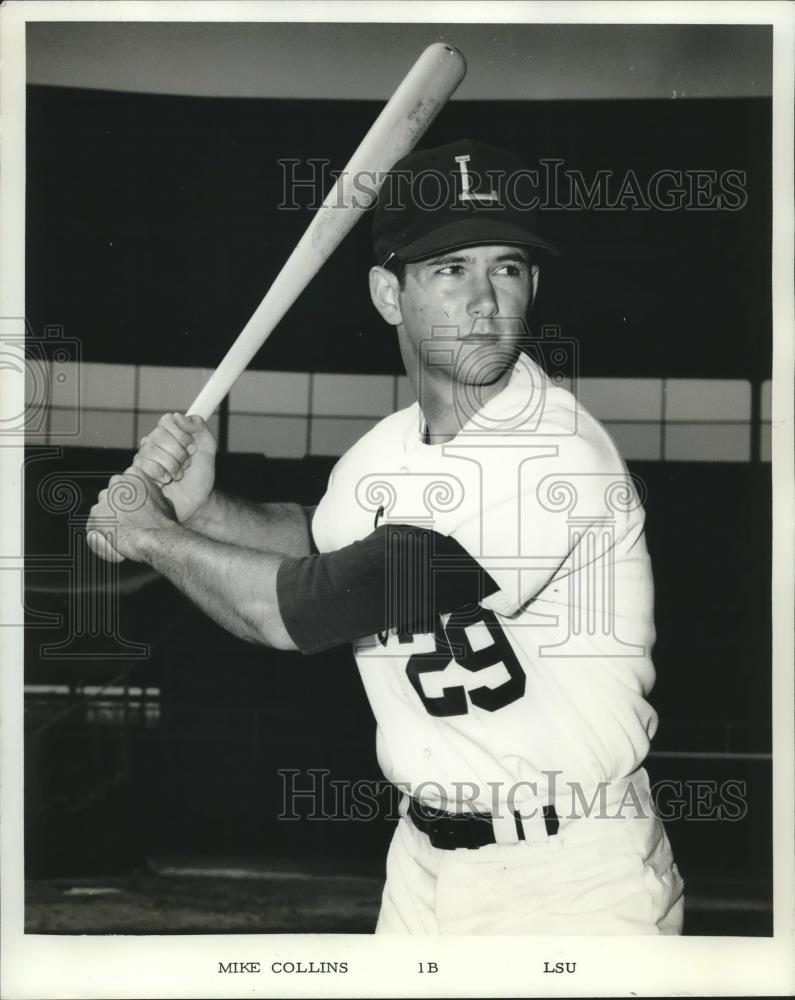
[[502, 411]]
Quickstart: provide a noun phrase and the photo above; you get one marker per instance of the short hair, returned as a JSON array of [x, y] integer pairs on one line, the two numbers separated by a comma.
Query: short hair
[[398, 268]]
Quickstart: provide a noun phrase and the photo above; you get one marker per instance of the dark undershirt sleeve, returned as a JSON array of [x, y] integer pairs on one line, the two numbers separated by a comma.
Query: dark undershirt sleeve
[[309, 513], [398, 577]]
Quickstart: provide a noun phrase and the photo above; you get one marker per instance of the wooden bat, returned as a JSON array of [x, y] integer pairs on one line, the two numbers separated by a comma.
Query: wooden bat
[[422, 94]]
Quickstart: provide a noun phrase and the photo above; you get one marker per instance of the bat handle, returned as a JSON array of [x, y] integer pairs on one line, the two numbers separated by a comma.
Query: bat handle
[[278, 299], [264, 319], [213, 391]]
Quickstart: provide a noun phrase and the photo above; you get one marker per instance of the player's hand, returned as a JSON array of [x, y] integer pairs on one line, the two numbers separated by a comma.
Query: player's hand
[[179, 455], [129, 508]]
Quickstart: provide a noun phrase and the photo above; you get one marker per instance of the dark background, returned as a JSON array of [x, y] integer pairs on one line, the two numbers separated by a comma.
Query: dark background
[[151, 236], [154, 229]]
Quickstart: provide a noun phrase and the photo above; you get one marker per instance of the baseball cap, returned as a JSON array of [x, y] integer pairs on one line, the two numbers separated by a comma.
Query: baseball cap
[[462, 194]]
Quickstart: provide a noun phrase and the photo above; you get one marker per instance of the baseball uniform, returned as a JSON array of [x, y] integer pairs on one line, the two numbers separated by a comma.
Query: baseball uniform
[[536, 695]]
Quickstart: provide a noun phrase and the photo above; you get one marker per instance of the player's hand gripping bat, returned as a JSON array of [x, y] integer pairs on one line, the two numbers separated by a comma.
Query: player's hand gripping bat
[[426, 88]]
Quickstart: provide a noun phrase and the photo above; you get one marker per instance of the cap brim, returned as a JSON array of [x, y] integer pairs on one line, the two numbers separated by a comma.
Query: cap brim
[[472, 232]]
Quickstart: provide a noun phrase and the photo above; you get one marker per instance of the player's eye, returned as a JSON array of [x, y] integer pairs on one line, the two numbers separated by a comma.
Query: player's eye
[[511, 270], [451, 269]]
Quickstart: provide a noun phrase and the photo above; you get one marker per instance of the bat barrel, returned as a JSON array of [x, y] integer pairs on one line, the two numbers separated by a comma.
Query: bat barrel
[[423, 92]]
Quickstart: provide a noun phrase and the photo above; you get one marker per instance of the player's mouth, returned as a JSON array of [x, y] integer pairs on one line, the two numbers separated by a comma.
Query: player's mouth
[[492, 329], [483, 336]]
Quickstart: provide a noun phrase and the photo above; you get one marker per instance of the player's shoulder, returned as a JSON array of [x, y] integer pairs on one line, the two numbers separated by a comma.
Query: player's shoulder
[[539, 411], [333, 524], [579, 432], [382, 438]]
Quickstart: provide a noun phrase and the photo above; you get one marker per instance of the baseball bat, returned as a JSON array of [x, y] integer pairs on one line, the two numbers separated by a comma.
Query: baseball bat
[[423, 92]]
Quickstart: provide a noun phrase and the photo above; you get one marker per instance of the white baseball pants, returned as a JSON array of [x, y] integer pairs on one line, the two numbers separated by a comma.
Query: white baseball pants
[[596, 876]]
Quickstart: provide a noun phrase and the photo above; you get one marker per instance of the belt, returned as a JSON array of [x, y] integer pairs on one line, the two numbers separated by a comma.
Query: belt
[[450, 831]]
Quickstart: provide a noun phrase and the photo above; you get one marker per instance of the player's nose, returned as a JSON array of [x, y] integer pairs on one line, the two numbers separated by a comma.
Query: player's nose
[[483, 299]]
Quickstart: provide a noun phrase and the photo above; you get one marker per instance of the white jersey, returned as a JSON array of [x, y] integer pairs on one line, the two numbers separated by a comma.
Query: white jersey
[[549, 674]]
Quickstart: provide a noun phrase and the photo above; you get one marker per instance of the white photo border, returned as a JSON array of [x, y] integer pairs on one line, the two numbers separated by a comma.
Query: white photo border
[[36, 966]]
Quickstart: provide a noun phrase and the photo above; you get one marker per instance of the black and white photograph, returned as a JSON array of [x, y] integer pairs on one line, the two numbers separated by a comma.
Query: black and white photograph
[[396, 461]]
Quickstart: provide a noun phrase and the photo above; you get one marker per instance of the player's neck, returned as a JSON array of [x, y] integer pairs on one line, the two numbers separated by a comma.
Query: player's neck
[[447, 406]]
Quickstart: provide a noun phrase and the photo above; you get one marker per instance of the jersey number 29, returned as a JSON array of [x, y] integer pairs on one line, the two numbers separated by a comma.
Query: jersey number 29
[[452, 643]]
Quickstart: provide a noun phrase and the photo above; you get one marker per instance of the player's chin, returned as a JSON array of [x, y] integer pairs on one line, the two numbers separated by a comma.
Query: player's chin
[[485, 359]]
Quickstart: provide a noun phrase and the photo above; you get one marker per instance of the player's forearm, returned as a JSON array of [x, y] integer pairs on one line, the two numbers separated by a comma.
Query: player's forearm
[[271, 527], [235, 586]]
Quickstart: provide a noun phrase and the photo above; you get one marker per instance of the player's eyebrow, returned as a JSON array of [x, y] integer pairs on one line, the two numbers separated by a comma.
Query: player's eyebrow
[[515, 256], [512, 256], [450, 259]]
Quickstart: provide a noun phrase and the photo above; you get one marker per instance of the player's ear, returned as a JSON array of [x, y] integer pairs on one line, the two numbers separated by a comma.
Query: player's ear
[[385, 293]]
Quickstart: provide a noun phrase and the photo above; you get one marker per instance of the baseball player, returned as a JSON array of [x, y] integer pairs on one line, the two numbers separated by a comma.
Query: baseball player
[[483, 550]]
